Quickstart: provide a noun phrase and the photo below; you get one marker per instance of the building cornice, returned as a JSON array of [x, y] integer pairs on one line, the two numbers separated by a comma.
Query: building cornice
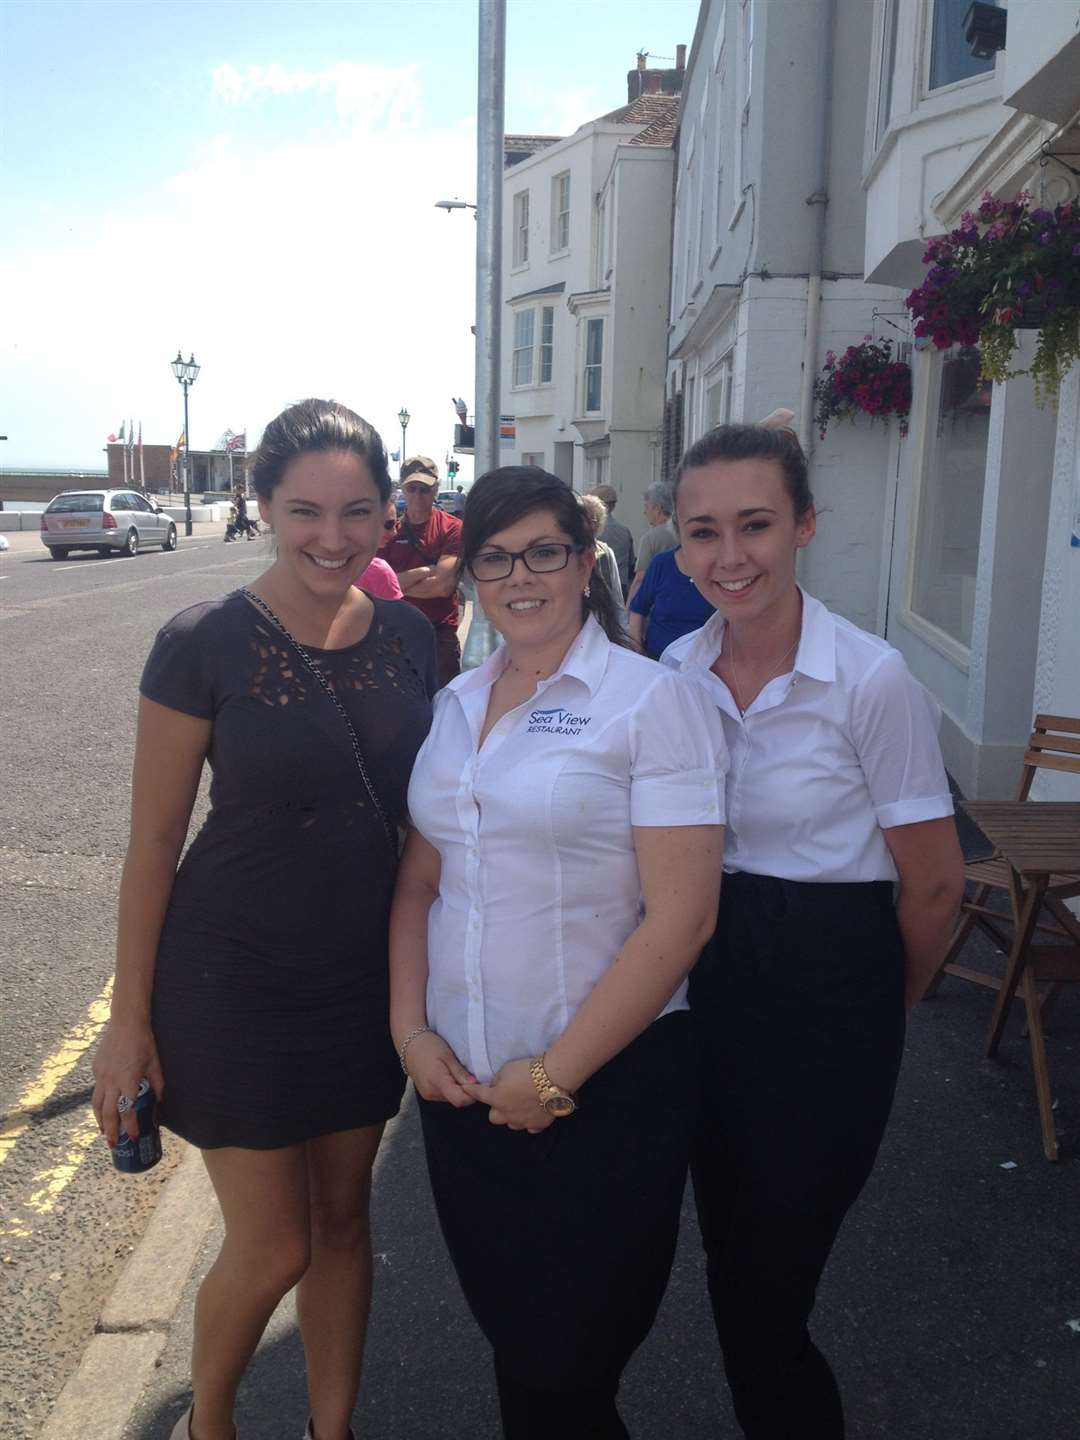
[[722, 299], [555, 289], [1003, 164], [587, 300]]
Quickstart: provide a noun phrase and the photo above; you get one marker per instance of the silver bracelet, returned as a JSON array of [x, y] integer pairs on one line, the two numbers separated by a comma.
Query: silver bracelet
[[412, 1035]]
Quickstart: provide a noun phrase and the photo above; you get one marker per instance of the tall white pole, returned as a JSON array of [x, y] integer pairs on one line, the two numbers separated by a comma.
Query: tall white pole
[[489, 170]]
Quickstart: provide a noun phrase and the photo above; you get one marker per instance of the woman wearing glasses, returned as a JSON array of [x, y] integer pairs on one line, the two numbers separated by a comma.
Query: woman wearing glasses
[[555, 892]]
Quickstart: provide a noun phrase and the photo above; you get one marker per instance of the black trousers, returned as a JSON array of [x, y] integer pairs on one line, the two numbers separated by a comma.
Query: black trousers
[[447, 654], [798, 1013], [563, 1241]]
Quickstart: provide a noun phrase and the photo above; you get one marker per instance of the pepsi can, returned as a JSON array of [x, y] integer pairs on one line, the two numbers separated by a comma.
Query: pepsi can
[[130, 1156]]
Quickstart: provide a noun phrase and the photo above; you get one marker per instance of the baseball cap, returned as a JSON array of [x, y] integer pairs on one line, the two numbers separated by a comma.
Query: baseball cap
[[420, 467]]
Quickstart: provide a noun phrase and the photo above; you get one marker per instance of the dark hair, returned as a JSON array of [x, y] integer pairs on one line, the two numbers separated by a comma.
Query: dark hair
[[503, 497], [753, 442], [313, 425]]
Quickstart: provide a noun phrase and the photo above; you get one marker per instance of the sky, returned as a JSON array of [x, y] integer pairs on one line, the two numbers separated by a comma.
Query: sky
[[254, 181]]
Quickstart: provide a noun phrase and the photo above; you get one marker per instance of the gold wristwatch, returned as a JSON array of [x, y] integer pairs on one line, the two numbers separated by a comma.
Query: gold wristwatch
[[553, 1098]]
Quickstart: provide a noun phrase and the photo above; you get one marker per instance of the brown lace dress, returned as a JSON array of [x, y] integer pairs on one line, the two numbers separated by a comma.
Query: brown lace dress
[[270, 1000]]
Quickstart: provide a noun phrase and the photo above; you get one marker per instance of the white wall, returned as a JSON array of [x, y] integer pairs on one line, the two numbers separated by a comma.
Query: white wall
[[544, 412]]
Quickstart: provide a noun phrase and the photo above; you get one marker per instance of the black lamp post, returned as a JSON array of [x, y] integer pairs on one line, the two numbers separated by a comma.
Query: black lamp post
[[186, 372], [403, 420]]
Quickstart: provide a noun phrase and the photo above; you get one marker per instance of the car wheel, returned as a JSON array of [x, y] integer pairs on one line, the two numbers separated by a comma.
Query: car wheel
[[170, 539], [131, 544], [58, 552]]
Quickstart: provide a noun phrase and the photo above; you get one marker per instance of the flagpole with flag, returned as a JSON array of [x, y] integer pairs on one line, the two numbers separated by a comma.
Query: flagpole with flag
[[234, 443]]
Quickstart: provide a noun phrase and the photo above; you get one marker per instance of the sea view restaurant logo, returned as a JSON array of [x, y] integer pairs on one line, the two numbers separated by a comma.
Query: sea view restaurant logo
[[556, 722]]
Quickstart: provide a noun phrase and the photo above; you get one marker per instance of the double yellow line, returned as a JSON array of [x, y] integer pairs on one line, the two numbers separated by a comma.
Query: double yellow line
[[49, 1184]]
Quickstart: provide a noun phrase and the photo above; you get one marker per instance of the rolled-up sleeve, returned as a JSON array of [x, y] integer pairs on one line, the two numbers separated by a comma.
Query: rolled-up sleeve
[[894, 725], [678, 756]]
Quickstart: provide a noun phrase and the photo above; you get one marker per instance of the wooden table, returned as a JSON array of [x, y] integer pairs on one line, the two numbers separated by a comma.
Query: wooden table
[[1040, 841]]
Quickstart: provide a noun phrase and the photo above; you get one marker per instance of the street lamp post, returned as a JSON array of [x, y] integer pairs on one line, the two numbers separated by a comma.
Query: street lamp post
[[491, 57], [186, 372], [403, 420]]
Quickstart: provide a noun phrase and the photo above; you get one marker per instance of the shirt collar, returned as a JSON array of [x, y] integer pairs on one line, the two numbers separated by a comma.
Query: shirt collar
[[586, 661], [815, 657]]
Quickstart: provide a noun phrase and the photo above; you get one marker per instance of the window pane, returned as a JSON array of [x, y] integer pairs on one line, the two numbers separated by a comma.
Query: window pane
[[523, 347], [950, 507], [560, 205], [74, 504], [594, 354], [547, 343], [950, 57], [888, 65], [521, 227], [594, 343]]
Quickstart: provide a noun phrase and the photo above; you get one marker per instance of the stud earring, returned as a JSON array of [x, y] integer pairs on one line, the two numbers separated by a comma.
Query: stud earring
[[587, 591]]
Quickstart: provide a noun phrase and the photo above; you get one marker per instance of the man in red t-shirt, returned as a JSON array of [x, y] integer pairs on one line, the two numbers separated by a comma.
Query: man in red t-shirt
[[423, 549]]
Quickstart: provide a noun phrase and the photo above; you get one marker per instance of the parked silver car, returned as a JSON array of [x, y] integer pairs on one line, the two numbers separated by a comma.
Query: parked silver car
[[106, 521]]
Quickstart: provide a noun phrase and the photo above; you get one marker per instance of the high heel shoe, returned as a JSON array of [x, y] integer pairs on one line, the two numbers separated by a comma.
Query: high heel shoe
[[309, 1433], [182, 1429]]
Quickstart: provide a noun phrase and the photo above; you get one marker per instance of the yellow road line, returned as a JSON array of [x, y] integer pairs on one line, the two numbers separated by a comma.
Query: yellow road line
[[58, 1177], [72, 1048], [51, 1183]]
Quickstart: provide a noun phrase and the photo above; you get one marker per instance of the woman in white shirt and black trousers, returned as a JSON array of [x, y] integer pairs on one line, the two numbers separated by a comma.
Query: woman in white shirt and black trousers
[[836, 796], [560, 881]]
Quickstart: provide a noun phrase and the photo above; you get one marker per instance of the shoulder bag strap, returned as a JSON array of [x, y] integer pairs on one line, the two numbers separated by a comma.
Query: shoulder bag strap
[[328, 691]]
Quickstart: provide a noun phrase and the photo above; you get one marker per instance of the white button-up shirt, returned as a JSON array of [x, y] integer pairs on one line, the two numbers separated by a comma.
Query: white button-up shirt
[[540, 887], [826, 757]]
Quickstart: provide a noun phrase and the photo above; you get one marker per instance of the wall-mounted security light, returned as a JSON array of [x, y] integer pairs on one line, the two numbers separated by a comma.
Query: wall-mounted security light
[[984, 29]]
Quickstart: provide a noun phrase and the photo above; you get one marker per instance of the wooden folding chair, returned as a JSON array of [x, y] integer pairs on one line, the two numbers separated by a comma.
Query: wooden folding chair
[[1054, 745]]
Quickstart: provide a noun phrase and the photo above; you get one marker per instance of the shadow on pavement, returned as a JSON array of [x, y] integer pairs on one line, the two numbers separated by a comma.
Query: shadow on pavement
[[945, 1310]]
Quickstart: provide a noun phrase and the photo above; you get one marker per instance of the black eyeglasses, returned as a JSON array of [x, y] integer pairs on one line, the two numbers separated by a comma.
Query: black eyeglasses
[[540, 559]]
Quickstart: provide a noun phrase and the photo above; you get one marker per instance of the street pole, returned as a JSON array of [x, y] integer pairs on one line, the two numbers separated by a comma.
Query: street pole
[[187, 466], [490, 104], [403, 420], [186, 372]]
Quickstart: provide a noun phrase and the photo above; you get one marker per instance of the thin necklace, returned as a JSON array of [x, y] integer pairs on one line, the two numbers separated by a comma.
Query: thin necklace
[[772, 673]]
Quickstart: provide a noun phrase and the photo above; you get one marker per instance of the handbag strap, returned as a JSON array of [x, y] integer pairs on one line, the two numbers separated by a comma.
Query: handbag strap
[[328, 691]]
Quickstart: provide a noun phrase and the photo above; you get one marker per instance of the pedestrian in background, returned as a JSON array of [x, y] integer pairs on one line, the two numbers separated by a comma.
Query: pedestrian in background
[[617, 536], [378, 578], [596, 517], [264, 1028], [666, 604], [843, 878], [660, 534], [423, 549], [539, 959]]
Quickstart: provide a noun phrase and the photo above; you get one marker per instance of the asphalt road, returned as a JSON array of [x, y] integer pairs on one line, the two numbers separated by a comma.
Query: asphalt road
[[73, 637], [951, 1308]]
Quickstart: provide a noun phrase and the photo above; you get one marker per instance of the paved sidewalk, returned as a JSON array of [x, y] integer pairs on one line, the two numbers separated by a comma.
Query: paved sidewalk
[[946, 1309]]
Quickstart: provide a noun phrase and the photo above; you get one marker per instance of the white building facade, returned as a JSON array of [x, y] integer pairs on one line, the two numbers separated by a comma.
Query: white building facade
[[982, 534], [767, 272], [586, 260]]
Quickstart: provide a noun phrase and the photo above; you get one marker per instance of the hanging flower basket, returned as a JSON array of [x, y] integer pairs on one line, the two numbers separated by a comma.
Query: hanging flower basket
[[864, 380], [1006, 267]]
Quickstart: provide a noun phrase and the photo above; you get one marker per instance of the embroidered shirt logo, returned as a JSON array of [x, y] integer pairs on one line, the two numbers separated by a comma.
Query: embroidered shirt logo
[[556, 722]]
